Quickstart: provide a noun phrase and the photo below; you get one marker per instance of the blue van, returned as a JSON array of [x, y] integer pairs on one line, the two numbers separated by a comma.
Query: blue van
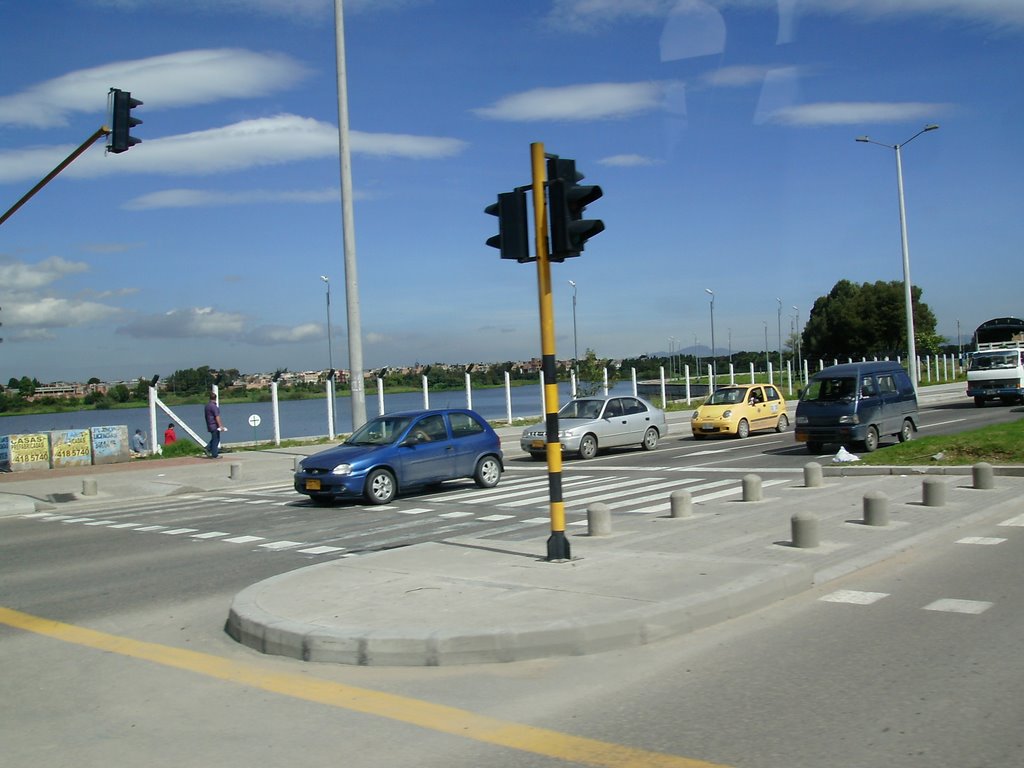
[[856, 403]]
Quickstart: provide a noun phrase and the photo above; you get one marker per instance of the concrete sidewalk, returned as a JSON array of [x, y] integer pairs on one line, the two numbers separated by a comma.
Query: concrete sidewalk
[[495, 598]]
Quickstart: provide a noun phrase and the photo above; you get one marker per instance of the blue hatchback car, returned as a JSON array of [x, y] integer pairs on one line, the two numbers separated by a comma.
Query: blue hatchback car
[[399, 451]]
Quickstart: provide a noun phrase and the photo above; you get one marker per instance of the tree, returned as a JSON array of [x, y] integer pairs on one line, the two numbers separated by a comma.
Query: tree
[[866, 320], [590, 374]]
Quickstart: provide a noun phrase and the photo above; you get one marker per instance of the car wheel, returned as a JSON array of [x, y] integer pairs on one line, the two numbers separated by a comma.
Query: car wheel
[[588, 447], [538, 456], [979, 402], [650, 439], [380, 487], [743, 429], [907, 432], [783, 423], [698, 436], [870, 440], [815, 447], [488, 472]]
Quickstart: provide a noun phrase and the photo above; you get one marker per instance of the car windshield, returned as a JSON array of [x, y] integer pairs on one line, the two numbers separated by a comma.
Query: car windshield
[[984, 361], [383, 430], [830, 390], [726, 397], [581, 409]]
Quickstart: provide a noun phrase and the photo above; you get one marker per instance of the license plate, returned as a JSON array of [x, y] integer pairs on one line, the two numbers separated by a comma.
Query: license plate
[[708, 427], [538, 444], [312, 485]]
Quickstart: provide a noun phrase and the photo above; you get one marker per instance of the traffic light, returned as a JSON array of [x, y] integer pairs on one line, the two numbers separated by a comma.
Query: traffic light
[[121, 105], [513, 238], [566, 203]]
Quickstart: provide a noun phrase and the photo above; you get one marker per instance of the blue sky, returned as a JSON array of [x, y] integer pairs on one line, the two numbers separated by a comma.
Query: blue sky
[[721, 131]]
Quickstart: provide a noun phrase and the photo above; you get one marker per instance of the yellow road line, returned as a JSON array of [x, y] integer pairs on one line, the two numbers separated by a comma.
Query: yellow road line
[[436, 717]]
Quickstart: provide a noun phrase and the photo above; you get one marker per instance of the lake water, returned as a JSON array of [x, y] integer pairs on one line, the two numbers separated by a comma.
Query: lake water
[[298, 418]]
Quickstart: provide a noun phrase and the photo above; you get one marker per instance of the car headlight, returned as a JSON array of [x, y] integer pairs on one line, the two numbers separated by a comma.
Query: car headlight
[[849, 419], [727, 414], [566, 433], [696, 414], [342, 469]]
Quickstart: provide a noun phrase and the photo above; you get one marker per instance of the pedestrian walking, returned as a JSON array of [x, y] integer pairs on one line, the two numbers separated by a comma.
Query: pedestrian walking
[[214, 425]]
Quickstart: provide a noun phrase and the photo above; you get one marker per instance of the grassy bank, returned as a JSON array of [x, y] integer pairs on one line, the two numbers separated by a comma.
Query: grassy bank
[[998, 444]]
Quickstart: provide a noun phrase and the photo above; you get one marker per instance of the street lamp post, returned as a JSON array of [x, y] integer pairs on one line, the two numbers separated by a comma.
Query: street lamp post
[[575, 348], [330, 353], [780, 334], [714, 368], [799, 355], [907, 291]]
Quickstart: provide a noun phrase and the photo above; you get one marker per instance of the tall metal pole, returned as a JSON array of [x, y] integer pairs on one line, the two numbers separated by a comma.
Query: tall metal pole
[[714, 367], [799, 354], [355, 341], [558, 545], [575, 348], [908, 295], [330, 353], [780, 334]]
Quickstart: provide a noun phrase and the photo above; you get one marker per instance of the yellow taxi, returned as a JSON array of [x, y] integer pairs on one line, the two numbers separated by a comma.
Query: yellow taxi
[[739, 410]]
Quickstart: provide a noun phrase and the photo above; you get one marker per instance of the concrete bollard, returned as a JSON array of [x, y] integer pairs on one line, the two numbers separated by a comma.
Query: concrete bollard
[[752, 488], [812, 474], [876, 508], [933, 492], [599, 519], [984, 476], [682, 503], [236, 471], [89, 486], [804, 528]]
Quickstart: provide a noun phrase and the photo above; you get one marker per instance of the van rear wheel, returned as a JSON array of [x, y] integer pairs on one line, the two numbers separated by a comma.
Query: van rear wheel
[[907, 431]]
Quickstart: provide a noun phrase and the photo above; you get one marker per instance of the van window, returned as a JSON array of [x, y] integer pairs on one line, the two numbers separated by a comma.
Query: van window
[[903, 382], [886, 384], [867, 387], [831, 389]]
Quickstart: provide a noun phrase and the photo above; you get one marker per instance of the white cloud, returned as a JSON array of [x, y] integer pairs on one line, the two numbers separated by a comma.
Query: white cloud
[[19, 276], [50, 312], [593, 14], [196, 322], [856, 113], [247, 144], [267, 335], [596, 101], [172, 80], [195, 198], [209, 323], [628, 161]]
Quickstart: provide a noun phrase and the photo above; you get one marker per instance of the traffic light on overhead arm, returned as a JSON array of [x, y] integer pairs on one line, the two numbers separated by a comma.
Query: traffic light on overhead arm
[[121, 105], [566, 203], [513, 237]]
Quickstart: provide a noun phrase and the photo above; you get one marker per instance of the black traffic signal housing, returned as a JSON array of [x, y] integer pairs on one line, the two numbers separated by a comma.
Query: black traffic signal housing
[[566, 202], [513, 238], [121, 121]]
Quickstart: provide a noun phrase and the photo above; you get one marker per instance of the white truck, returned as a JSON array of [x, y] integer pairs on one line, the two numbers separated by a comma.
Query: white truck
[[995, 370]]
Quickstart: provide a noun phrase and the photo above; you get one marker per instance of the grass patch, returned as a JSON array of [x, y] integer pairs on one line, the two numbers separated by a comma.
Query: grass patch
[[998, 444]]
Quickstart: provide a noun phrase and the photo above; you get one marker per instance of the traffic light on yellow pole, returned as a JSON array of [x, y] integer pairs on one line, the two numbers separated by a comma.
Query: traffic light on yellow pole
[[567, 201], [512, 239]]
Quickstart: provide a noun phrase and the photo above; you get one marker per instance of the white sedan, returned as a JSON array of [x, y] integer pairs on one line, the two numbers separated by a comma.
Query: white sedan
[[589, 424]]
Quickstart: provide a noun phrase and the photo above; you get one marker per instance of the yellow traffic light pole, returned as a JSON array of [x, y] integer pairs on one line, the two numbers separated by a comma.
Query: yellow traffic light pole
[[558, 545]]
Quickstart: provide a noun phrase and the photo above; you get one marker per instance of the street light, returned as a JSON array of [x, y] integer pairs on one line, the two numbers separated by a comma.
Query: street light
[[780, 334], [799, 356], [714, 369], [575, 349], [330, 353], [907, 293]]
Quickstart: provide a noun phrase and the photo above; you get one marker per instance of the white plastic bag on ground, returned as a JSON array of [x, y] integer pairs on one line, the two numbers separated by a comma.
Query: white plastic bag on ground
[[844, 456]]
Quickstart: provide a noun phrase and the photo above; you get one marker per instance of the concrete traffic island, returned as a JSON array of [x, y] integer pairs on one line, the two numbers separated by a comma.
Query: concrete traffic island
[[645, 578]]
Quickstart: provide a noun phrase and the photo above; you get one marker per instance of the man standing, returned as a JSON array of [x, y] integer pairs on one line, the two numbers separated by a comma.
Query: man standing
[[214, 425]]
